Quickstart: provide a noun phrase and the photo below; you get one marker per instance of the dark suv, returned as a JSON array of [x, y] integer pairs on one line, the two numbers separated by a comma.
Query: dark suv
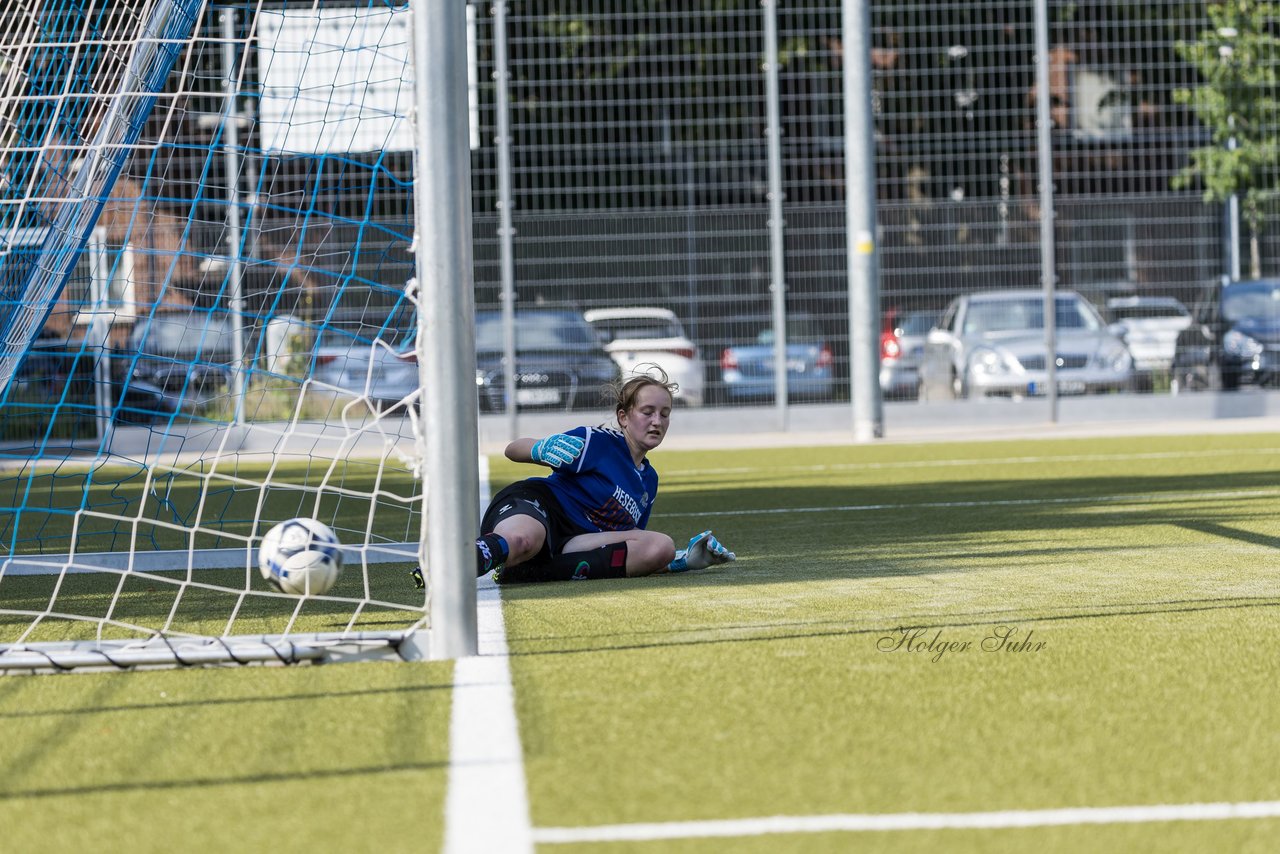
[[1237, 339], [560, 364]]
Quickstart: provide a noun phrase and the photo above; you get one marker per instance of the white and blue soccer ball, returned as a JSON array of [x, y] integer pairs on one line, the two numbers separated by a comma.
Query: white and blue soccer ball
[[300, 556]]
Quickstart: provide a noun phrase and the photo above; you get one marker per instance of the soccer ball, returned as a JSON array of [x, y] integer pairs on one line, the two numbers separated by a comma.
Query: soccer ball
[[300, 556]]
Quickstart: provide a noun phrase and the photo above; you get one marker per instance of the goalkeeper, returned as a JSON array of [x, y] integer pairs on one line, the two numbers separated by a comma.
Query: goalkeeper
[[587, 519]]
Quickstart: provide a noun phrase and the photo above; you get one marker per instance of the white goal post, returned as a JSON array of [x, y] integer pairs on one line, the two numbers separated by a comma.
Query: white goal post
[[277, 201]]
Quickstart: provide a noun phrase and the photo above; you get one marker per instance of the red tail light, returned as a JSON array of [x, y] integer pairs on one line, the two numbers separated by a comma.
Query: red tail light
[[686, 352], [324, 360], [890, 347], [824, 357], [728, 361]]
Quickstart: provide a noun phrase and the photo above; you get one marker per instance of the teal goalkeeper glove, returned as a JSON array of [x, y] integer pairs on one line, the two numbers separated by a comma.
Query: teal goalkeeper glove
[[703, 551], [557, 450]]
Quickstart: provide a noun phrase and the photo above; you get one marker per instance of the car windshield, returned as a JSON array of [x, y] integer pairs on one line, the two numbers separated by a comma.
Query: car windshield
[[614, 328], [186, 334], [335, 337], [1251, 299], [1146, 311], [917, 324], [799, 330], [534, 331], [1013, 315]]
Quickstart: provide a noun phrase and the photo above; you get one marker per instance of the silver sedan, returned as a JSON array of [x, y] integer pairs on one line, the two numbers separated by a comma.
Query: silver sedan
[[993, 343]]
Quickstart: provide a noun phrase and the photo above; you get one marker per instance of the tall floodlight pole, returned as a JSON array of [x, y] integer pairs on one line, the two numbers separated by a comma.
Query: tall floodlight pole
[[446, 324], [1044, 159], [860, 223]]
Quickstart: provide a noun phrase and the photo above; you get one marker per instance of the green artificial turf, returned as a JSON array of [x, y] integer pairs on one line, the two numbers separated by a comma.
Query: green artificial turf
[[773, 686], [779, 686], [331, 758]]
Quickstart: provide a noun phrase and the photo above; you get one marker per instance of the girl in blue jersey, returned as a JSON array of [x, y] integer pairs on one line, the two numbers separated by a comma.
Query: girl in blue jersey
[[588, 518]]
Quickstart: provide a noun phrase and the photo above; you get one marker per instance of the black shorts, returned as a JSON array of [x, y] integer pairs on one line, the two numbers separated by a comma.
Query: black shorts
[[531, 498]]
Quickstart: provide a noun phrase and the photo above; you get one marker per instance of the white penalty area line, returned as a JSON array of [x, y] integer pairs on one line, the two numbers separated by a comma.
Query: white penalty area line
[[907, 821], [1135, 498], [976, 461], [487, 806]]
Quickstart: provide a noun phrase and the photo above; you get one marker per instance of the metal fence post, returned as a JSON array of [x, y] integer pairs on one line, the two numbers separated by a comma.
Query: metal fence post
[[506, 232], [231, 159], [1044, 160], [777, 248], [862, 263]]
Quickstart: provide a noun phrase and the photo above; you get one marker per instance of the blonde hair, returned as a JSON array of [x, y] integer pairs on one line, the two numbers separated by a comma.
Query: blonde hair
[[623, 393]]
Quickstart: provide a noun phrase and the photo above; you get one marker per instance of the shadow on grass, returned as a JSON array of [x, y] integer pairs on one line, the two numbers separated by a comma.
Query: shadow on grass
[[824, 533], [784, 534], [1228, 533], [225, 701], [154, 600], [908, 529], [802, 630], [202, 782]]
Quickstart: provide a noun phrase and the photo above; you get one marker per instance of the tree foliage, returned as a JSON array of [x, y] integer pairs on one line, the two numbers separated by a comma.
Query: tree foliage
[[1236, 102]]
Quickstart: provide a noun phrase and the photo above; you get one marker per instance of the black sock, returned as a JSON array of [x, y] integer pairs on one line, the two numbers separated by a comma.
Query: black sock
[[605, 562], [491, 553]]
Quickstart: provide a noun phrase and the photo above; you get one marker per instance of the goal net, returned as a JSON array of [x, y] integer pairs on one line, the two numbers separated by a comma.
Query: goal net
[[209, 319]]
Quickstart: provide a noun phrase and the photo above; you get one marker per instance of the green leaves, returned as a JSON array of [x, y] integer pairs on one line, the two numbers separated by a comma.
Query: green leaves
[[1236, 101]]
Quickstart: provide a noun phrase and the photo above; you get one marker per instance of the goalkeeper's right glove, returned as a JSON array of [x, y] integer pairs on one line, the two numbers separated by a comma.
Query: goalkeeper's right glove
[[557, 450], [704, 550]]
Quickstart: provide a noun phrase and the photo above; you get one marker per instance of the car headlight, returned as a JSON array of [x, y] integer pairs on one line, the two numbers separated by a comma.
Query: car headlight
[[1114, 359], [990, 362], [1238, 344]]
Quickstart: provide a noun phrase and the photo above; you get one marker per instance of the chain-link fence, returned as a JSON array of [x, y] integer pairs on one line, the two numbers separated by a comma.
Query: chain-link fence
[[622, 170], [639, 177]]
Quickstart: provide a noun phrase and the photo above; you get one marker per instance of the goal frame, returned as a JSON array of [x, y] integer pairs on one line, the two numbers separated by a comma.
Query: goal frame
[[445, 426]]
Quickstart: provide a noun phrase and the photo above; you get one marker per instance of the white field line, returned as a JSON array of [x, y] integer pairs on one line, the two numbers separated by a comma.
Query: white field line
[[1133, 498], [981, 461], [907, 821], [487, 806]]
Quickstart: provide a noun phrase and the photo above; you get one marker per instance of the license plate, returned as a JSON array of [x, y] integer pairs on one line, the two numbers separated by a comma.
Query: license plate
[[1064, 387], [537, 396]]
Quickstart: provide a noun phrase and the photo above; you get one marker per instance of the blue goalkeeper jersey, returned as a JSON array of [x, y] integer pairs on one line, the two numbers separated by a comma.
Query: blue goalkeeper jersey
[[602, 490]]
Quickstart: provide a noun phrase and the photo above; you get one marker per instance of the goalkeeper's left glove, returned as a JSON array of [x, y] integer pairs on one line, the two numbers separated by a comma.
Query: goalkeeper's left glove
[[703, 551]]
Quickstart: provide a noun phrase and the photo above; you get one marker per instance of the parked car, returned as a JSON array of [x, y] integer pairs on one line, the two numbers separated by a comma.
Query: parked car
[[361, 366], [57, 372], [639, 336], [901, 349], [1236, 341], [559, 362], [187, 353], [992, 343], [747, 370], [1149, 327]]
